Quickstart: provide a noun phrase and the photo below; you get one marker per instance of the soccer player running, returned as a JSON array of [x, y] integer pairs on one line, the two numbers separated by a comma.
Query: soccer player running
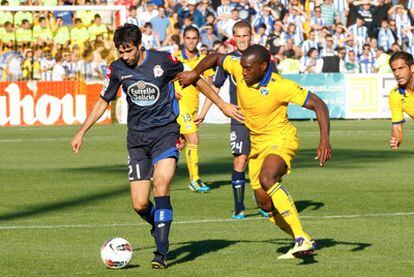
[[239, 134], [189, 102], [152, 128], [263, 97], [401, 98]]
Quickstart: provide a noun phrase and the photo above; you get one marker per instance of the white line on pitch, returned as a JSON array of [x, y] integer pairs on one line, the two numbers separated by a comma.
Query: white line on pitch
[[109, 138], [17, 227]]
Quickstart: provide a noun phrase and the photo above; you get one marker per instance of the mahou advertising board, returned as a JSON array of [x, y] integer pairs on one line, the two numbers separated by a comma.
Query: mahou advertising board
[[48, 103]]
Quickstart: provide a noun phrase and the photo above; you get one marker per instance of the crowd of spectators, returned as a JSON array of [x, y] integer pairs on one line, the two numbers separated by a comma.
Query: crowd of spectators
[[310, 36]]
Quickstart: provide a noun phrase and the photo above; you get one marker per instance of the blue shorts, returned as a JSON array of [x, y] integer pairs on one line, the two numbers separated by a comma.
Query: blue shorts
[[239, 140], [147, 148]]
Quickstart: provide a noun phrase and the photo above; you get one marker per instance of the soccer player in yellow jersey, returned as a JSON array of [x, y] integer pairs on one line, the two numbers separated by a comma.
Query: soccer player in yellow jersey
[[401, 98], [188, 118], [263, 97]]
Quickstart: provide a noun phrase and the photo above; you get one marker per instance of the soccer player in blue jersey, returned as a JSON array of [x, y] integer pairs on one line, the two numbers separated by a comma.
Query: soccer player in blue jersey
[[239, 134], [145, 77]]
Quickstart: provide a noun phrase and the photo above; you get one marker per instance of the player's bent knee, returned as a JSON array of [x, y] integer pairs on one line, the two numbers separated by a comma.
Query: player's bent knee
[[267, 180], [140, 206]]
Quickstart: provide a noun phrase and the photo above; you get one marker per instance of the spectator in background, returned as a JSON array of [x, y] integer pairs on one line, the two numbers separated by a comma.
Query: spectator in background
[[149, 13], [328, 48], [224, 10], [13, 68], [277, 38], [62, 35], [366, 60], [5, 16], [351, 62], [277, 7], [46, 65], [317, 21], [292, 33], [227, 27], [342, 7], [67, 16], [24, 34], [42, 34], [7, 36], [359, 32], [28, 64], [79, 33], [22, 15], [160, 23], [310, 43], [89, 70], [97, 28], [207, 36], [58, 72], [205, 8], [70, 68], [133, 17], [308, 62], [191, 10], [385, 36], [260, 36], [329, 13], [149, 38], [246, 11], [84, 15], [401, 19], [381, 64], [265, 18], [289, 65]]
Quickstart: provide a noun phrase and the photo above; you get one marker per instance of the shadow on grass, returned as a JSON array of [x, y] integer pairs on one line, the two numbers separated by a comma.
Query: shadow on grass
[[350, 158], [320, 244], [189, 251], [45, 208]]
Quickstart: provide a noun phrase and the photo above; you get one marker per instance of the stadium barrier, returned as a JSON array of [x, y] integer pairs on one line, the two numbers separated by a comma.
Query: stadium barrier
[[48, 103], [348, 96]]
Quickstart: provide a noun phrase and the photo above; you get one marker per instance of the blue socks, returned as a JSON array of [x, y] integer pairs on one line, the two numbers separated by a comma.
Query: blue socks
[[148, 215], [238, 183], [163, 219]]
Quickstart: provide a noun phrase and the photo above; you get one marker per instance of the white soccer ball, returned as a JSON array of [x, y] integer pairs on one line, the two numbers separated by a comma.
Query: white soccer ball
[[116, 253]]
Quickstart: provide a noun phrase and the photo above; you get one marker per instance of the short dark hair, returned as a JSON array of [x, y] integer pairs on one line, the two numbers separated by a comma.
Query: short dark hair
[[407, 57], [129, 33], [259, 52], [191, 28]]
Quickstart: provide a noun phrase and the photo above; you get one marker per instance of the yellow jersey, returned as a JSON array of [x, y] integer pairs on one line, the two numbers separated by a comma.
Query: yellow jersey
[[400, 101], [265, 104], [190, 94]]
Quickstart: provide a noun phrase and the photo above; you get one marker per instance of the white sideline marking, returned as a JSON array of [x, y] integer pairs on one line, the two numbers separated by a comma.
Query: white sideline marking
[[17, 227], [109, 138]]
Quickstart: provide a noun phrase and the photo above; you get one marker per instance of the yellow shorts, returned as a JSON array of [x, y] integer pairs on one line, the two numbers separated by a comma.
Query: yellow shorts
[[186, 121], [285, 147]]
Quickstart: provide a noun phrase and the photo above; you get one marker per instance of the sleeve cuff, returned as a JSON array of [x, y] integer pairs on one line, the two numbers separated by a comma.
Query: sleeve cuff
[[398, 122], [307, 98]]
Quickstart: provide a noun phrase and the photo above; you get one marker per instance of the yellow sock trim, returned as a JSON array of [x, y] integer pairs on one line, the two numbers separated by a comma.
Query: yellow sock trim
[[285, 206], [279, 221], [191, 155]]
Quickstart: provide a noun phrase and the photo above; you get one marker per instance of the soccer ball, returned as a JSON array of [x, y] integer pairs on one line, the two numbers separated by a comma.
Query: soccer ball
[[116, 253]]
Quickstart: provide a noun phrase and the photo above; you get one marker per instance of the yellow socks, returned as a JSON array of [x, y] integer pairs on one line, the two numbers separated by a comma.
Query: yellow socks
[[285, 206], [278, 220], [191, 155]]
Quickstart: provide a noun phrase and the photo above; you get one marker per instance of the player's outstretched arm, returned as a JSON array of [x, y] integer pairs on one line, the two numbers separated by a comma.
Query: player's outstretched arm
[[324, 151], [190, 77], [97, 111], [396, 136], [228, 109]]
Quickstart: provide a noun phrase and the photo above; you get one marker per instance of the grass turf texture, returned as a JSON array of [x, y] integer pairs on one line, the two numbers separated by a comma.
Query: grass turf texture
[[57, 208]]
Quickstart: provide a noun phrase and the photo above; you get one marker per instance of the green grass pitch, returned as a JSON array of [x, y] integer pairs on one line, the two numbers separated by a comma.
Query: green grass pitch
[[57, 208]]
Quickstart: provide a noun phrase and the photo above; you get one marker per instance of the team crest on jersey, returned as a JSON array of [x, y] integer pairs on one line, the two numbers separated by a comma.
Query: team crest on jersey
[[158, 71], [108, 72], [264, 91], [143, 93]]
